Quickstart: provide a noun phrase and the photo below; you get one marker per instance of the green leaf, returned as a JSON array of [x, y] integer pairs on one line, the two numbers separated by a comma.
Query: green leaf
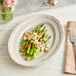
[[1, 2]]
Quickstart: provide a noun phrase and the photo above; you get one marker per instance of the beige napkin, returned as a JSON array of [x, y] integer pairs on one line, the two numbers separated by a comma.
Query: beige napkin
[[69, 65]]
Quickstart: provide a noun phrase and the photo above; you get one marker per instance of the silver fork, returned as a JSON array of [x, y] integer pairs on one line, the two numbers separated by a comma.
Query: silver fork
[[73, 40]]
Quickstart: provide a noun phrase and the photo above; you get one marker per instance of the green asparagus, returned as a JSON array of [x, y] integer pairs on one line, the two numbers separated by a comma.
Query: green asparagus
[[25, 53], [37, 28], [42, 32], [24, 42], [31, 51], [32, 48], [23, 45], [22, 49], [48, 39], [29, 58], [29, 48], [44, 36], [35, 51]]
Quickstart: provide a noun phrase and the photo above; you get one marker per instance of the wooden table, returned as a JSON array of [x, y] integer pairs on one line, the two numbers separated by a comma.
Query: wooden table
[[54, 67]]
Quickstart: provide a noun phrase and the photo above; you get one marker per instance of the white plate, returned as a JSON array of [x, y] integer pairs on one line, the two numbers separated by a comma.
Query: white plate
[[54, 28]]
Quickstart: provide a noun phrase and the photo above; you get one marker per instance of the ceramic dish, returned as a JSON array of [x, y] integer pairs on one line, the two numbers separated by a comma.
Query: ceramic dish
[[54, 29]]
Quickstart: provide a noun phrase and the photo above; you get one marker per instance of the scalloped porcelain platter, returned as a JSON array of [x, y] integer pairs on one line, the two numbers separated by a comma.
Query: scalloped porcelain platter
[[54, 29]]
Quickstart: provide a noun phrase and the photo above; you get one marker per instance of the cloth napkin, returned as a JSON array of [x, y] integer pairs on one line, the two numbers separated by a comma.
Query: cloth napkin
[[69, 64]]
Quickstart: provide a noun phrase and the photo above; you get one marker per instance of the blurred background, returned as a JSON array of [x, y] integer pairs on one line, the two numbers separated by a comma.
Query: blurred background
[[29, 6]]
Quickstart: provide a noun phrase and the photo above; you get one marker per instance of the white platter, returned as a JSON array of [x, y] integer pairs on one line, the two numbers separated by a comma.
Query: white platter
[[54, 29]]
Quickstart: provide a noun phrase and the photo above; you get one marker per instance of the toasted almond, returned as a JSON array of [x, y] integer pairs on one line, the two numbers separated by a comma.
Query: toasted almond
[[46, 49], [47, 45]]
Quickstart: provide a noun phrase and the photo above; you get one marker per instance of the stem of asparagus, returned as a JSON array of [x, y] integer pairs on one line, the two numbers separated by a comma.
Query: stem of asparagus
[[29, 58], [23, 45], [44, 36], [22, 49], [48, 39], [38, 27], [32, 49], [28, 49], [24, 42], [25, 53], [35, 51], [42, 32]]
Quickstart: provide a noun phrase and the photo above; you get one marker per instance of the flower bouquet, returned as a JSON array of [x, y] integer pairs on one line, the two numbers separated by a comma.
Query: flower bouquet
[[7, 8]]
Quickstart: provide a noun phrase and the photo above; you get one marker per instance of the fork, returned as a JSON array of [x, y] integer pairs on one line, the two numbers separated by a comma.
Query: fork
[[73, 40]]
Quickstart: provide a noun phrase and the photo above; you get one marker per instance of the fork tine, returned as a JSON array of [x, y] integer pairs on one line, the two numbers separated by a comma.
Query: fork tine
[[70, 32], [73, 35]]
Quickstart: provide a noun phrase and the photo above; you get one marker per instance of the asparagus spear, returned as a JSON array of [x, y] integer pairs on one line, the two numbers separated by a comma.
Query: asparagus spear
[[29, 58], [34, 54], [23, 45], [24, 42], [22, 49], [42, 32], [38, 27], [25, 53], [44, 36], [28, 49], [35, 51], [30, 53], [48, 39], [41, 25], [32, 49]]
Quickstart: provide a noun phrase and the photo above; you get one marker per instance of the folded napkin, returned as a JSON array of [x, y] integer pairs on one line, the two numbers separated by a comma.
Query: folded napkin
[[69, 64]]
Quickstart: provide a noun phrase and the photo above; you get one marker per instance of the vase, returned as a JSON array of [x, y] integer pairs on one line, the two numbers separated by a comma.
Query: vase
[[6, 14]]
